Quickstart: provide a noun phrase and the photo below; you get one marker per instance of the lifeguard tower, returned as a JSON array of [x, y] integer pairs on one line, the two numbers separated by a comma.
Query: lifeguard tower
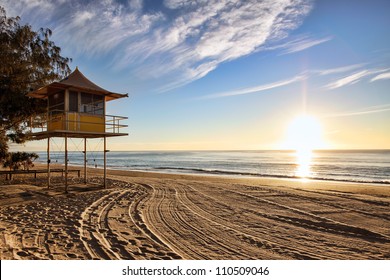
[[76, 108]]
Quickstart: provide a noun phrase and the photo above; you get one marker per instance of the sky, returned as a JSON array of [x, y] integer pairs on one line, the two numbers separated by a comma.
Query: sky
[[231, 75]]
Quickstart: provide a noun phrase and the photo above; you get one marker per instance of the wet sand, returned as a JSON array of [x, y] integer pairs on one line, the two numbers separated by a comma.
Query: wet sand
[[166, 216]]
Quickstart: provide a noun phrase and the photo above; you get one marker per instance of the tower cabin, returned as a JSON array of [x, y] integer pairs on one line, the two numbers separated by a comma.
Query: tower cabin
[[76, 108]]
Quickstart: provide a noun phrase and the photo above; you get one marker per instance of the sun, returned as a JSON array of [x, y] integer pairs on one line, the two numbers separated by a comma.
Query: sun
[[304, 134]]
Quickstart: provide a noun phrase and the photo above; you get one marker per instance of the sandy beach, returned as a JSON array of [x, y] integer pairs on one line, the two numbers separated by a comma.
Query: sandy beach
[[167, 216]]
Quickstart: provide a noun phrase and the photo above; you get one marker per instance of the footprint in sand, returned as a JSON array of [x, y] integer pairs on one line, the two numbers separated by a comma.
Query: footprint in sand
[[132, 242], [22, 254], [122, 242], [71, 256]]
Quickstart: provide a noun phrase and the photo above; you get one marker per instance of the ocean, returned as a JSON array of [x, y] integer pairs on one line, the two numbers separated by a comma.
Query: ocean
[[371, 166]]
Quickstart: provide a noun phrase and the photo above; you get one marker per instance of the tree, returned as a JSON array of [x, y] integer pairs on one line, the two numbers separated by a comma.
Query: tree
[[20, 159], [29, 60]]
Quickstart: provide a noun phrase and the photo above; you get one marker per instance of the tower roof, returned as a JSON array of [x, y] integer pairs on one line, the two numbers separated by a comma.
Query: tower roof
[[77, 81]]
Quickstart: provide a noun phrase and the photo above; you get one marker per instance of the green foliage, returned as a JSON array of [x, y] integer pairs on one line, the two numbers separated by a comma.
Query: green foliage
[[29, 60], [17, 160]]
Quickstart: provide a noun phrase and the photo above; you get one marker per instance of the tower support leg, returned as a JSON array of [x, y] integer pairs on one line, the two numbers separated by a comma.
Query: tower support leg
[[85, 160], [48, 162], [66, 164], [105, 163]]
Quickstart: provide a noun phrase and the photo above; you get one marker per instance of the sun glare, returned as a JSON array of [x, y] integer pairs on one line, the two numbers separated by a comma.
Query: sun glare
[[304, 135], [303, 160]]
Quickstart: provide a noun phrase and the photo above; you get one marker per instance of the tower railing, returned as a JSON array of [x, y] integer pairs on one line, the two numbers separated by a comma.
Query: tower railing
[[77, 121]]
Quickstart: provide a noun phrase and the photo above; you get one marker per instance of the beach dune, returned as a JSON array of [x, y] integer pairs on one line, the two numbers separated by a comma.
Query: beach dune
[[167, 216]]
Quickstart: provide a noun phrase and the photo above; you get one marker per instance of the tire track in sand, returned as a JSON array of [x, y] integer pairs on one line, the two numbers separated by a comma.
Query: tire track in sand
[[90, 227], [191, 234], [156, 247], [265, 246], [316, 226], [112, 228]]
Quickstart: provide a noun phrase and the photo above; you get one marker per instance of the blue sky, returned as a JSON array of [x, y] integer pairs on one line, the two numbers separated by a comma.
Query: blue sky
[[230, 74]]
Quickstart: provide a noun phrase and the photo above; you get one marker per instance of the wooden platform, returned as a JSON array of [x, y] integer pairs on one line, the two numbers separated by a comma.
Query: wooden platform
[[73, 134]]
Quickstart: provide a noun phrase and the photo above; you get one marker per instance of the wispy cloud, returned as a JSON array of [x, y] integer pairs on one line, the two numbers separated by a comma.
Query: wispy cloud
[[256, 88], [339, 70], [363, 111], [382, 76], [353, 78], [22, 7], [181, 42], [299, 44], [91, 28]]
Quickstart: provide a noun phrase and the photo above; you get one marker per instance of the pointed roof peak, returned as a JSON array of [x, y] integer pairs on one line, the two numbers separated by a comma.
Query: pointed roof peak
[[76, 80]]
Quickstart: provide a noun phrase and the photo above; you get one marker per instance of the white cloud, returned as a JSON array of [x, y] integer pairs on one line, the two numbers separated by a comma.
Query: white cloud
[[176, 47], [299, 44], [136, 4], [363, 111], [103, 26], [305, 44], [26, 8], [353, 78], [257, 88], [382, 76], [199, 40], [175, 4], [82, 18], [339, 69]]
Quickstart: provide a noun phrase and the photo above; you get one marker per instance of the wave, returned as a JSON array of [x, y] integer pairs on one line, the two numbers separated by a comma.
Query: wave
[[250, 174], [342, 166]]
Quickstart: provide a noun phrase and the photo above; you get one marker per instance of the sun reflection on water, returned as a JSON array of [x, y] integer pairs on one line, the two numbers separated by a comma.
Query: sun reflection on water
[[304, 161]]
